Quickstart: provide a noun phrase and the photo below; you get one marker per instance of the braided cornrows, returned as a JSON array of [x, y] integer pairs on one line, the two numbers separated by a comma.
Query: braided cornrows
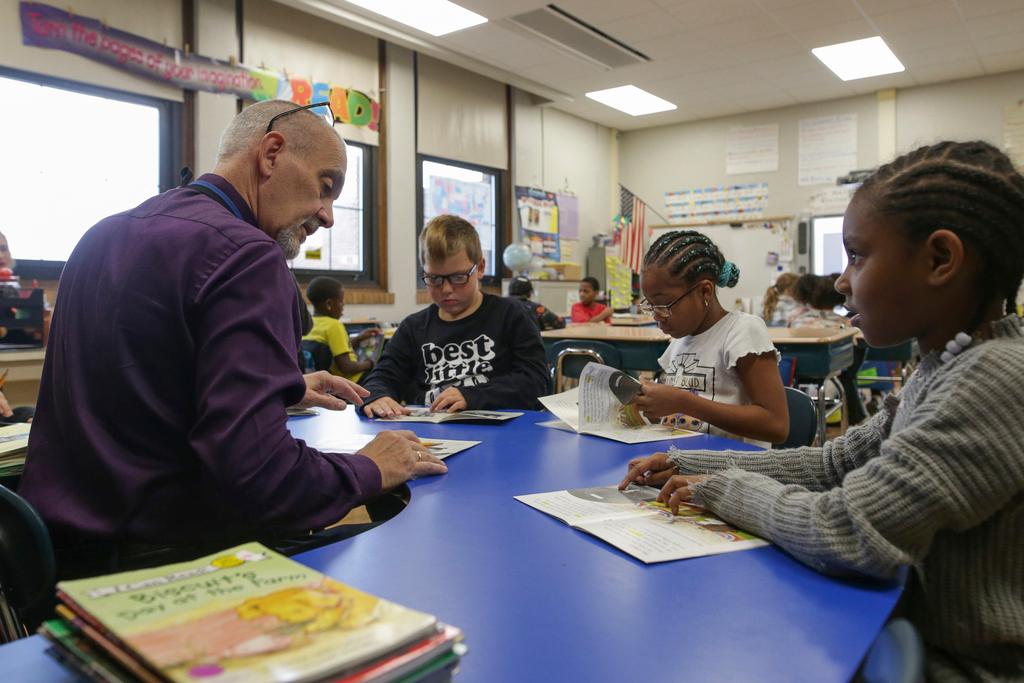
[[689, 255], [970, 188]]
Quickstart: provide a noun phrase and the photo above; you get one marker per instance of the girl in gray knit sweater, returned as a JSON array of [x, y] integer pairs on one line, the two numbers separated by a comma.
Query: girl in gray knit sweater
[[936, 479]]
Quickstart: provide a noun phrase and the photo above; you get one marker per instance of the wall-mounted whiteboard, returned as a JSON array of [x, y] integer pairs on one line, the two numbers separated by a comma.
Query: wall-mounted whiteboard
[[748, 248]]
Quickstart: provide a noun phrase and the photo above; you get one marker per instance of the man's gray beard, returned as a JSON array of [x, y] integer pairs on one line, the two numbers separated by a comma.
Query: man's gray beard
[[290, 241]]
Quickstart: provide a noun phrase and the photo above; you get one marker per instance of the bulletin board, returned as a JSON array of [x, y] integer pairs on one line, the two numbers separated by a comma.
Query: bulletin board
[[748, 247]]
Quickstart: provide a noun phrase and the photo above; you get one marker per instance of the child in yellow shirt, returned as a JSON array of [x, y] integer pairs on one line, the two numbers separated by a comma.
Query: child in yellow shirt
[[328, 298]]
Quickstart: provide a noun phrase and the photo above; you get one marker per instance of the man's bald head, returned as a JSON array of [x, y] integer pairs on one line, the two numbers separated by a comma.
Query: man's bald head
[[303, 130]]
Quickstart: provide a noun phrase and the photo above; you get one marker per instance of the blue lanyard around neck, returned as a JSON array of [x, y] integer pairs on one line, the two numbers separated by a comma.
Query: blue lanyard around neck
[[221, 195]]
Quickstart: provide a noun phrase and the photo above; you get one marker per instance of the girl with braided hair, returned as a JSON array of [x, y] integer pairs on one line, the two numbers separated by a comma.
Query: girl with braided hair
[[935, 480], [722, 368]]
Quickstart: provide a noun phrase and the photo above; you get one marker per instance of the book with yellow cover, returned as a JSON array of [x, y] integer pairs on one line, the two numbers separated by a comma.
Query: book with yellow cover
[[244, 614]]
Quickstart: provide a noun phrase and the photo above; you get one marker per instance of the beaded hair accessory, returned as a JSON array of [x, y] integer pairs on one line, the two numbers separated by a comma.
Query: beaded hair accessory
[[955, 345]]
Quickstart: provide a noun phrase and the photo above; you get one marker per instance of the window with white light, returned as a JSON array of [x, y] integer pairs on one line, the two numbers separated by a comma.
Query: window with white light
[[465, 190], [75, 155]]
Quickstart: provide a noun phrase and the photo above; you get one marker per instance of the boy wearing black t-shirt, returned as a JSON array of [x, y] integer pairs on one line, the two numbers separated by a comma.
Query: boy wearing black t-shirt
[[468, 349]]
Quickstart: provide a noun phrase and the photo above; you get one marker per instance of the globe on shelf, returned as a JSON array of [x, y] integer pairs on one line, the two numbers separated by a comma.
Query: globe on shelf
[[517, 257]]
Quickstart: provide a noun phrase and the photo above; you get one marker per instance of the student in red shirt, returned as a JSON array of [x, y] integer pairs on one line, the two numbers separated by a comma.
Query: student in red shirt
[[587, 310]]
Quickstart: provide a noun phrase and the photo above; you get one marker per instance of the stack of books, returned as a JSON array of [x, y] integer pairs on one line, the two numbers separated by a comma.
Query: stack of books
[[13, 446], [244, 614]]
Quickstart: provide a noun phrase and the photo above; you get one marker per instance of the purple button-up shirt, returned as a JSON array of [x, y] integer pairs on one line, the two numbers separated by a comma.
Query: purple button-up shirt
[[171, 359]]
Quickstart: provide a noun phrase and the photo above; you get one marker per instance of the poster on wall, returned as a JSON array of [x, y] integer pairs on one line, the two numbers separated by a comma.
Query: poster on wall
[[828, 148], [717, 203], [470, 200], [538, 221], [50, 27], [752, 149], [1013, 133]]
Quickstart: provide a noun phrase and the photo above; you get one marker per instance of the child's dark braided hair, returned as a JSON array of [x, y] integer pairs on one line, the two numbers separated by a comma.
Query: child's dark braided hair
[[970, 188], [691, 256]]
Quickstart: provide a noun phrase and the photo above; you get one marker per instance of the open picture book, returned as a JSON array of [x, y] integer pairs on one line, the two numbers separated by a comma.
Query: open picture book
[[632, 521], [350, 443], [600, 406], [424, 414], [245, 613]]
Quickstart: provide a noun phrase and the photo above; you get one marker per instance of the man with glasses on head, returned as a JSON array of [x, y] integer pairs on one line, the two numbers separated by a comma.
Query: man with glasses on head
[[467, 350], [161, 427]]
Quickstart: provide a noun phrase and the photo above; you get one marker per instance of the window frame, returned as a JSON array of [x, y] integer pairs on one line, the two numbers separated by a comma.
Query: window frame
[[370, 275], [500, 216], [170, 116]]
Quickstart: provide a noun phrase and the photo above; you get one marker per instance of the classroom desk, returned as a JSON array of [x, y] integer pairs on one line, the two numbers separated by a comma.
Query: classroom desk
[[539, 601], [640, 346], [820, 354], [25, 368], [640, 320]]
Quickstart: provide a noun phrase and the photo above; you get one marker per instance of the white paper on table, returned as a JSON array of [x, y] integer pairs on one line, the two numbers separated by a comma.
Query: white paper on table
[[350, 443]]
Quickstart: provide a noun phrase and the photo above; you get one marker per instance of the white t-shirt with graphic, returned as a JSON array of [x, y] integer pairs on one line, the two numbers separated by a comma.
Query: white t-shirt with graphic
[[705, 363]]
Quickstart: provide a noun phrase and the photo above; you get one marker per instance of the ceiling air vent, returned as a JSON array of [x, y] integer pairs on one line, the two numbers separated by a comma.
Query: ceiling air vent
[[577, 37]]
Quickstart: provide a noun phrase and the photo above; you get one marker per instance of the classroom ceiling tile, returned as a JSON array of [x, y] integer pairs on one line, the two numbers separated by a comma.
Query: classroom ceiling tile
[[994, 45], [916, 41], [811, 15], [879, 6], [564, 70], [972, 9], [1004, 61], [909, 19], [867, 86], [701, 13], [773, 100], [815, 92], [644, 26], [835, 33], [602, 11], [996, 25], [950, 71], [947, 54]]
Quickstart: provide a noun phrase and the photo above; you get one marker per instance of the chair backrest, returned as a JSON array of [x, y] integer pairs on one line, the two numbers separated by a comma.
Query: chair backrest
[[27, 567], [803, 419], [568, 357], [319, 353], [787, 370], [897, 655]]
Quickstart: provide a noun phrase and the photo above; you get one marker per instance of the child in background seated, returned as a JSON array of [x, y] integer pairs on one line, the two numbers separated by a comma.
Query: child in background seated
[[778, 300], [328, 298], [587, 310], [519, 291], [468, 349], [722, 368], [817, 297], [935, 480]]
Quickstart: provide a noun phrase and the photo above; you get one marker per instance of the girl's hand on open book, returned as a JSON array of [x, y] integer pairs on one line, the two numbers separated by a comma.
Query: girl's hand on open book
[[658, 400], [677, 490], [650, 470]]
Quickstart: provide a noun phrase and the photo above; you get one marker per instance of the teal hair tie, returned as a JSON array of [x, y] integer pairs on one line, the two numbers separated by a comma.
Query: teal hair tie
[[725, 278]]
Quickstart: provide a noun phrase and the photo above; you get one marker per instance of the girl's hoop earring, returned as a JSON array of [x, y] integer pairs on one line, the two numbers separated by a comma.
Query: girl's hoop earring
[[705, 303]]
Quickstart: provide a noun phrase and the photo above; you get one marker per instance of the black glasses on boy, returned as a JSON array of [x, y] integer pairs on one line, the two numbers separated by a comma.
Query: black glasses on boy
[[664, 310], [456, 279], [327, 114]]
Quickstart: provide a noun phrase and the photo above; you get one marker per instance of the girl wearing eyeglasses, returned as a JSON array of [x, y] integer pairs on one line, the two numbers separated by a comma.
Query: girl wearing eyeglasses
[[721, 369]]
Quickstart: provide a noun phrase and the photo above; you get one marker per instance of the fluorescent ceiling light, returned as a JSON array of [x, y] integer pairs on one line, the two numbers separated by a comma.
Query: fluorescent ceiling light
[[436, 17], [859, 58], [632, 100]]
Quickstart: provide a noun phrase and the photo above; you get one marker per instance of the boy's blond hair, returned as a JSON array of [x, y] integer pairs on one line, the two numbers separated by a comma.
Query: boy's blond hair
[[447, 235]]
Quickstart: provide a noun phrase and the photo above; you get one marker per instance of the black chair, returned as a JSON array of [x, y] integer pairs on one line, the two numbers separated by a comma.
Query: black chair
[[27, 567], [568, 357], [318, 355], [897, 655], [803, 419]]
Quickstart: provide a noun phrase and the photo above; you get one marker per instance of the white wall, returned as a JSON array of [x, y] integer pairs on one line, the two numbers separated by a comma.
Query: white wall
[[556, 151], [669, 158]]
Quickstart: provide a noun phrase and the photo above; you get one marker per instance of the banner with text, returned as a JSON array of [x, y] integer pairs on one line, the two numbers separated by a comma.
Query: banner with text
[[49, 27]]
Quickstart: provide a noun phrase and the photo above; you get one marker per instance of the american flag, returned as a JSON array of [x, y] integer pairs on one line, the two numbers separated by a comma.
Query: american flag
[[633, 242]]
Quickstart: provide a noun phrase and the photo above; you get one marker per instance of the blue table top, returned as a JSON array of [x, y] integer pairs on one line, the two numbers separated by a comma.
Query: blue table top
[[538, 600]]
